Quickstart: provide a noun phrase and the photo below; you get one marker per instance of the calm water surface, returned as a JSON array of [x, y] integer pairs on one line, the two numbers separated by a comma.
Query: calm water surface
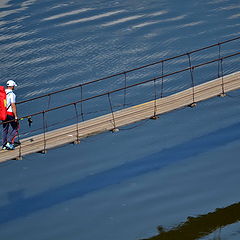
[[155, 173]]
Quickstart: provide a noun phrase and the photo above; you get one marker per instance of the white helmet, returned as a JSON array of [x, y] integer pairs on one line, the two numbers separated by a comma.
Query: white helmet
[[11, 83]]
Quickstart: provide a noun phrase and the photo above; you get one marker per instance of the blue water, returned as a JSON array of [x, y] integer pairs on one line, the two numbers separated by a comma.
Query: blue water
[[123, 185]]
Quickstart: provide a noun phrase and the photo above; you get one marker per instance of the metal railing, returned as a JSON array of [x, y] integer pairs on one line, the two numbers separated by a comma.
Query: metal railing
[[191, 69], [154, 81], [188, 54]]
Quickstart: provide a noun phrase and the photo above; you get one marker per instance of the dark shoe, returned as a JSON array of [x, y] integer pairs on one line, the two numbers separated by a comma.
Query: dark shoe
[[16, 144], [4, 147]]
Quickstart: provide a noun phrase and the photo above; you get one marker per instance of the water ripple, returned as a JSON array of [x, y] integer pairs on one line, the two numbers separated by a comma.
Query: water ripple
[[92, 18], [75, 12], [234, 16], [122, 20]]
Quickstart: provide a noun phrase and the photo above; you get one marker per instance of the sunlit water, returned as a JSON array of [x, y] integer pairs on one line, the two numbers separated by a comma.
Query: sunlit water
[[117, 186]]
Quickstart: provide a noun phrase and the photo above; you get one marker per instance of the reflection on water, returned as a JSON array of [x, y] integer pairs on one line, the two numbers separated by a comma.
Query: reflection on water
[[119, 187], [197, 227]]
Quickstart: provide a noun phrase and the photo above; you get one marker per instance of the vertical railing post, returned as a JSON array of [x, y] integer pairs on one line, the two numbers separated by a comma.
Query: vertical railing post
[[115, 129], [162, 80], [193, 104], [219, 57], [77, 122], [220, 70], [155, 101], [44, 133], [125, 89], [49, 102], [82, 103], [223, 94], [20, 146]]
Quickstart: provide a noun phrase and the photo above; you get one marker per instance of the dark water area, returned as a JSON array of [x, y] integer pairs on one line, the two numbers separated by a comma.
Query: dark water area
[[151, 175]]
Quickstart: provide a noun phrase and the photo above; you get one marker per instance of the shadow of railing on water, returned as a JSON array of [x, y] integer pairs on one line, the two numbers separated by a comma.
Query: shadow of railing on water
[[20, 206]]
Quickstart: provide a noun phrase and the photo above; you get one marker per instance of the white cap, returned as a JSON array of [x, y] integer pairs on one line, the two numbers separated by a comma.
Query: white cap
[[11, 83]]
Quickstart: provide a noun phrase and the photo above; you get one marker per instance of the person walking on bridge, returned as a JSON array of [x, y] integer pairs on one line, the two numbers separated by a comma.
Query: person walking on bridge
[[8, 134]]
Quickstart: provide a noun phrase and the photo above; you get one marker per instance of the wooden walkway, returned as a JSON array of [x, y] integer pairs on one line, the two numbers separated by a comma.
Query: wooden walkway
[[109, 122]]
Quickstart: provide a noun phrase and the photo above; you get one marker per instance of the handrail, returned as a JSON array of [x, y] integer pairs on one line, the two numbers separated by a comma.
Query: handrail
[[130, 86], [128, 71]]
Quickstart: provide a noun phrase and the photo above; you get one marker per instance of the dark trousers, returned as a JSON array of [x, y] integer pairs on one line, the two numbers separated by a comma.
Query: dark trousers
[[8, 135]]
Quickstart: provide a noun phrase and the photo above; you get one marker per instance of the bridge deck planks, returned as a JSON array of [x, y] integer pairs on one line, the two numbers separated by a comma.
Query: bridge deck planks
[[122, 117]]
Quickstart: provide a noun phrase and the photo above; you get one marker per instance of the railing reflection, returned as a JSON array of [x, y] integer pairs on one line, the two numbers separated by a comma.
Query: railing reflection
[[203, 225]]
